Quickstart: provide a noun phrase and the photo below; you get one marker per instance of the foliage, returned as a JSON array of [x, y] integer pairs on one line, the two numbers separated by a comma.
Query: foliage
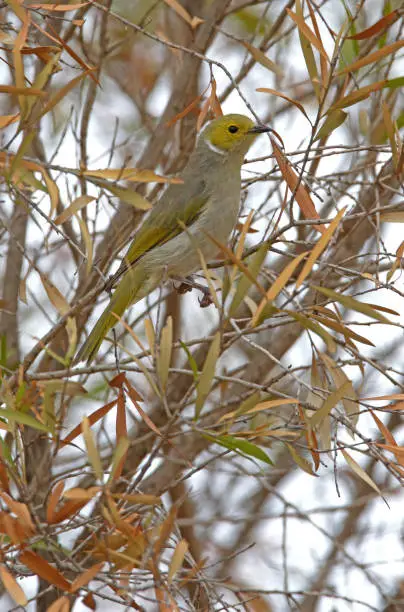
[[112, 475]]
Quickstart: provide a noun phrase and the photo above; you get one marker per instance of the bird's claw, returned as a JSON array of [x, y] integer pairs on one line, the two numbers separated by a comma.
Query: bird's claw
[[206, 299]]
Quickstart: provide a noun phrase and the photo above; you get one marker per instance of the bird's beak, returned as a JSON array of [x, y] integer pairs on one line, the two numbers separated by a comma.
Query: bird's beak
[[259, 129]]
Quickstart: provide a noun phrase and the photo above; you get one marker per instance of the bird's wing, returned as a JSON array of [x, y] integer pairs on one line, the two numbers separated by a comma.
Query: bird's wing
[[164, 223]]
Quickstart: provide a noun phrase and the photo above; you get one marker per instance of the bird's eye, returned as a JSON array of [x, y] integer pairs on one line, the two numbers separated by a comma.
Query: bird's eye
[[233, 129]]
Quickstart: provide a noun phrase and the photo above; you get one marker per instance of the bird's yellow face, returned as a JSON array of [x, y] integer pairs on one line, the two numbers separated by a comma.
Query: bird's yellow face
[[232, 132]]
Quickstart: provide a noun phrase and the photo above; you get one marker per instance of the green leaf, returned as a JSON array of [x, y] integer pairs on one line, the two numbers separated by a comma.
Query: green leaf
[[191, 360], [164, 355], [316, 329], [23, 419], [241, 447], [350, 302], [207, 374], [332, 122], [254, 266], [331, 401]]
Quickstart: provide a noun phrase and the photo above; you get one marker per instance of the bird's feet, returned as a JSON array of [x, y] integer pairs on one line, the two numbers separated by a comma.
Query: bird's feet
[[188, 283]]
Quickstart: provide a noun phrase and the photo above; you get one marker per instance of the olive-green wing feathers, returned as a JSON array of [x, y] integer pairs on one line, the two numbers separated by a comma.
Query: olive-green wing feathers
[[164, 222]]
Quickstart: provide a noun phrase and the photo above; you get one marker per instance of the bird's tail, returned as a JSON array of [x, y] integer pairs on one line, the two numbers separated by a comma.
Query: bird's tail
[[124, 295]]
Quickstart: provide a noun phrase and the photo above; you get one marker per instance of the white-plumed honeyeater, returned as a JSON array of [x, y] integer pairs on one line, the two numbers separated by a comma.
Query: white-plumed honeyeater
[[205, 204]]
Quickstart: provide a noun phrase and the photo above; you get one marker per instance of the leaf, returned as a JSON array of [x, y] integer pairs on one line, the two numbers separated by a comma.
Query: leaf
[[262, 59], [299, 460], [86, 577], [150, 335], [183, 13], [130, 174], [350, 302], [362, 93], [177, 559], [342, 329], [397, 262], [62, 93], [207, 374], [296, 186], [243, 447], [307, 32], [311, 325], [350, 401], [58, 7], [12, 587], [55, 296], [126, 195], [359, 471], [92, 451], [372, 57], [118, 458], [74, 207], [377, 27], [191, 360], [254, 266], [53, 500], [319, 248], [245, 410], [331, 401], [332, 122], [277, 287], [43, 569], [23, 419], [6, 120], [393, 217], [284, 97], [165, 352]]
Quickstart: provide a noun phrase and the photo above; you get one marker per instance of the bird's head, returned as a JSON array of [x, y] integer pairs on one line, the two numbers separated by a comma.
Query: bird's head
[[231, 134]]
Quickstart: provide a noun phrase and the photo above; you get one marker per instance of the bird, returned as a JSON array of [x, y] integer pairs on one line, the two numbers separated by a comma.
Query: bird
[[178, 228]]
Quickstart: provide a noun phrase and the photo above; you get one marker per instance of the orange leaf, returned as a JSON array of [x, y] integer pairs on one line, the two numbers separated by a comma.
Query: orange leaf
[[372, 57], [183, 13], [388, 436], [93, 418], [58, 7], [86, 577], [309, 34], [22, 91], [20, 510], [60, 605], [377, 27], [301, 194], [53, 500], [12, 587], [44, 570], [284, 97]]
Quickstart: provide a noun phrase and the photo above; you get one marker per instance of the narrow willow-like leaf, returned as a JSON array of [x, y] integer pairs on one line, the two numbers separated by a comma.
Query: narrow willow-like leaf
[[207, 374], [350, 302], [359, 471], [243, 447], [165, 352]]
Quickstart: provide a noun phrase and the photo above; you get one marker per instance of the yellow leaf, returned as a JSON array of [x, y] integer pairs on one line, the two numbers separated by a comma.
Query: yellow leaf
[[130, 174], [92, 451], [360, 471], [319, 248], [262, 59], [58, 300], [74, 207], [277, 286], [177, 559], [331, 401]]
